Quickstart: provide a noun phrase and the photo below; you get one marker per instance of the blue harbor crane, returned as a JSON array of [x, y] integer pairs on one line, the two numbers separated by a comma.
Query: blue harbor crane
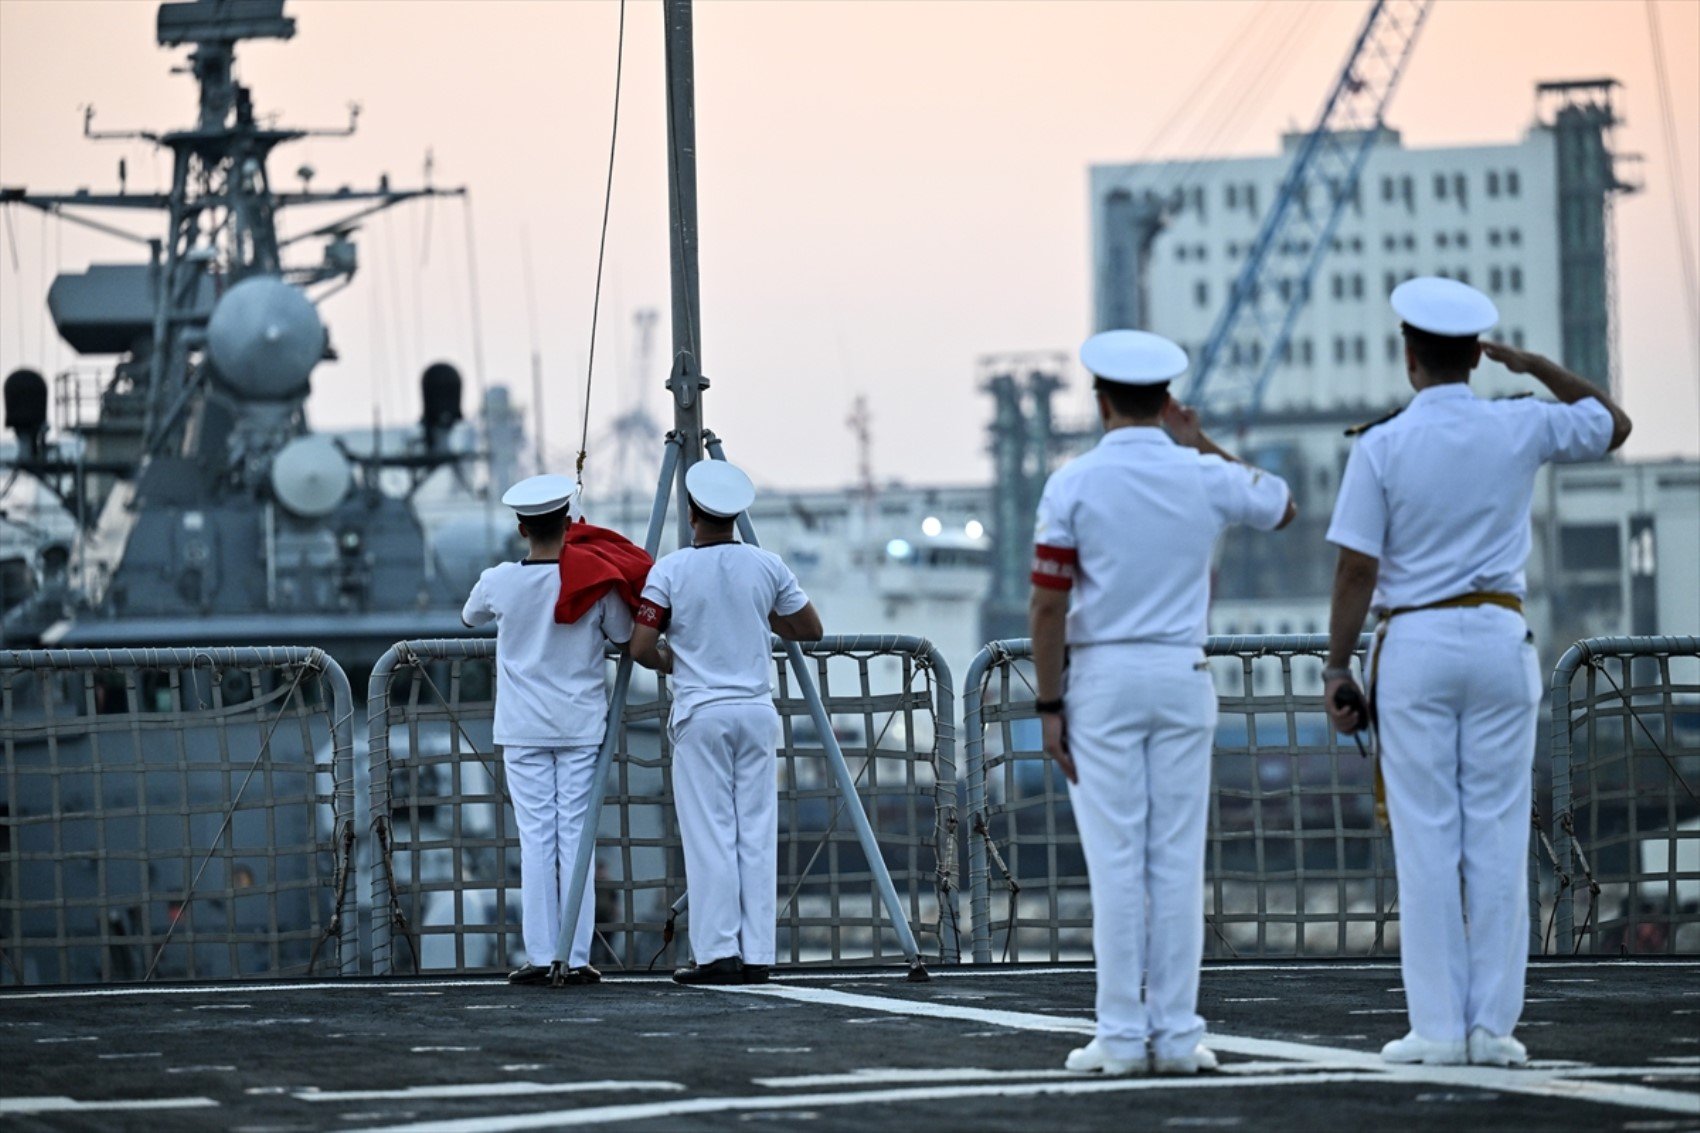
[[1251, 335]]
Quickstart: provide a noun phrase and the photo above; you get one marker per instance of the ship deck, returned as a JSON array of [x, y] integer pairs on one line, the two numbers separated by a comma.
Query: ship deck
[[1615, 1044]]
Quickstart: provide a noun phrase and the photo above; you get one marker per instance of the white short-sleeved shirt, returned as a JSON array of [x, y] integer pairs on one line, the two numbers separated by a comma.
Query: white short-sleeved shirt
[[714, 602], [1131, 526], [550, 679], [1441, 493]]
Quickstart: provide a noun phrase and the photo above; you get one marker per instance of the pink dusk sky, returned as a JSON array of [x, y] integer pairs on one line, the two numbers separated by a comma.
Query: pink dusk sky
[[889, 190]]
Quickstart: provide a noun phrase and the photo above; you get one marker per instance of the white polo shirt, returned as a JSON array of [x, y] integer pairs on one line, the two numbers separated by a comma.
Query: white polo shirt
[[550, 679], [713, 602], [1441, 493], [1130, 527]]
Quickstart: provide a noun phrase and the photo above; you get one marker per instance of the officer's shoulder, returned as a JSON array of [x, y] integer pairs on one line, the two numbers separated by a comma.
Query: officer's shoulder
[[1365, 427]]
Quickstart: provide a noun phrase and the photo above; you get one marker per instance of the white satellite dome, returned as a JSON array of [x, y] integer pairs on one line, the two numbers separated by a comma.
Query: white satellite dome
[[311, 477], [265, 337]]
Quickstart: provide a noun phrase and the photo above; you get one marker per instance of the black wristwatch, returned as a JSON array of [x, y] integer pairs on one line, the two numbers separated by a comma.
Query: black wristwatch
[[1048, 707]]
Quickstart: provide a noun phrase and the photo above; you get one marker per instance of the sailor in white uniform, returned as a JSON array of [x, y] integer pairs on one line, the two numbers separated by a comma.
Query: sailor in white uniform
[[551, 705], [718, 600], [1121, 574], [1432, 522]]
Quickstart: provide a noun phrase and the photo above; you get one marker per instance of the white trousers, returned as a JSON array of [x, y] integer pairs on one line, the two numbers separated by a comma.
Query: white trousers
[[550, 788], [1140, 723], [726, 794], [1458, 702]]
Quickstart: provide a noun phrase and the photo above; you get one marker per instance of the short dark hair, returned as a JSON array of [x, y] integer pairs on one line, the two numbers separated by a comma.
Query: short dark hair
[[1133, 401], [550, 525], [717, 522], [1439, 354]]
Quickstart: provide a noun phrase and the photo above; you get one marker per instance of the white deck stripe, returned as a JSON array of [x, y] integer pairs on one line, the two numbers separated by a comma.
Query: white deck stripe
[[1538, 1083], [17, 1107], [479, 1090], [691, 1107]]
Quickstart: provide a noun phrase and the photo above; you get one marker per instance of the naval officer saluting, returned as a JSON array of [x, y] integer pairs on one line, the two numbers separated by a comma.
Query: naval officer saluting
[[551, 706], [1121, 573], [1432, 520], [718, 600]]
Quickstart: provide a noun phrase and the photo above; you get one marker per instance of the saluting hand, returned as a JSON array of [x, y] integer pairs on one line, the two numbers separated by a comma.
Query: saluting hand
[[1056, 743], [1182, 423], [1517, 361]]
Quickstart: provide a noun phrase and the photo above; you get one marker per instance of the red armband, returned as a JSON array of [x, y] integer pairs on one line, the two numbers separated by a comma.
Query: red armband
[[653, 616], [1053, 567]]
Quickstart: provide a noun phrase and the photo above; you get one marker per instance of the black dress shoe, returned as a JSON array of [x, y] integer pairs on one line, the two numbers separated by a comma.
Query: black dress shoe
[[579, 977], [529, 974], [726, 970], [757, 973]]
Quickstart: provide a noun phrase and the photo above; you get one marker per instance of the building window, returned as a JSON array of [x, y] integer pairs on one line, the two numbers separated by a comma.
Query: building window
[[1493, 237], [1180, 252], [1387, 189], [1389, 242], [1517, 337], [1359, 351], [1231, 195], [1256, 352], [1337, 286], [1306, 354], [1198, 201], [1493, 183], [1339, 349], [1285, 288], [1513, 184], [1357, 285], [1516, 281], [1357, 244], [1462, 239], [1441, 239], [1410, 242], [1233, 249], [1408, 190], [1460, 190], [1392, 348], [1496, 280], [1251, 198], [1201, 294], [1200, 253], [1389, 280], [1440, 186], [1463, 276], [1514, 237]]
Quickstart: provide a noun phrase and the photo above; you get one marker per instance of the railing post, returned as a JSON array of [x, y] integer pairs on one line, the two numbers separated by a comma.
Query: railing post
[[974, 770], [1562, 741]]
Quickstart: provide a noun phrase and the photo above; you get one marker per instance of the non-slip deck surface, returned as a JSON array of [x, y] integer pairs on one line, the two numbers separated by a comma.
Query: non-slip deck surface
[[1616, 1046]]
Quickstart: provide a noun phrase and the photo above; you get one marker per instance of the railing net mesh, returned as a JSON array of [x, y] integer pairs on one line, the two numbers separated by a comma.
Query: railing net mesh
[[172, 814]]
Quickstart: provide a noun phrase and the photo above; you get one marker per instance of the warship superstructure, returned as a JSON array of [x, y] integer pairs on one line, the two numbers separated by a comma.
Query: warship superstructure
[[205, 503]]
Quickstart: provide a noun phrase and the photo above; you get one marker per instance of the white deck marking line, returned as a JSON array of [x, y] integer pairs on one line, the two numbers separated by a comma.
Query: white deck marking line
[[1538, 1083], [690, 1107], [479, 1090], [967, 971], [18, 1107], [896, 1075]]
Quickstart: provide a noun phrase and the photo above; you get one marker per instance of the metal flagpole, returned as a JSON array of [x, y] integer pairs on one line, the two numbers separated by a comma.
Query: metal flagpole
[[685, 446]]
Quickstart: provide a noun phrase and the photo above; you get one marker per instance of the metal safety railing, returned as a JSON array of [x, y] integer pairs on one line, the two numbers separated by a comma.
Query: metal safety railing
[[1625, 838], [446, 852], [1295, 864], [175, 813]]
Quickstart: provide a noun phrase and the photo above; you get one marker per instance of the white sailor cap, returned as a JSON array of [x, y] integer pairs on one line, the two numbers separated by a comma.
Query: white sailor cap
[[719, 489], [1444, 307], [541, 495], [1132, 357]]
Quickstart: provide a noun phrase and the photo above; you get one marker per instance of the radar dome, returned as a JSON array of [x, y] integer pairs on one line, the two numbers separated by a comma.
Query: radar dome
[[311, 477], [265, 338]]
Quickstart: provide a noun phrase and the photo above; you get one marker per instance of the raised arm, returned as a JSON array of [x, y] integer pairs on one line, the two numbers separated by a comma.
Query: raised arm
[[1181, 421], [1565, 386]]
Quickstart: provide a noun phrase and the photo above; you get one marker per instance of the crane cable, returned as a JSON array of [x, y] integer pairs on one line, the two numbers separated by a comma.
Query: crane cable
[[602, 249]]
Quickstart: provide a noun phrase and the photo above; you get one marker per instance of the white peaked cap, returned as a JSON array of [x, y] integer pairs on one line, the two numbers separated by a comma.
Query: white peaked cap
[[1132, 357], [719, 489], [1444, 307], [540, 495]]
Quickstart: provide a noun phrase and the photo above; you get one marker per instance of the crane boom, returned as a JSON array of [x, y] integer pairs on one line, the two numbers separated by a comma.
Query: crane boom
[[1250, 336]]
